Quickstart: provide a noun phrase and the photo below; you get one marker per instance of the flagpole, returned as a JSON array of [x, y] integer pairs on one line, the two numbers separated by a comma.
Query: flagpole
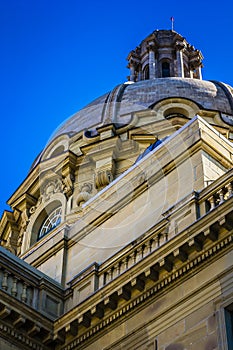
[[172, 20]]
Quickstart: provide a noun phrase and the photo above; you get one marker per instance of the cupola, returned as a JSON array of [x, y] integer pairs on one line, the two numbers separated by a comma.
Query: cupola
[[164, 53]]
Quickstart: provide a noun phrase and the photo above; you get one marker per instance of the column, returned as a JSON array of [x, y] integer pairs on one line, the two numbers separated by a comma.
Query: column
[[199, 73], [180, 63], [132, 72], [151, 63]]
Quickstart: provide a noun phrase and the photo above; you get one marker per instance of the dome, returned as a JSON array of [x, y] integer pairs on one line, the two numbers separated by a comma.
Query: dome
[[162, 67], [118, 105]]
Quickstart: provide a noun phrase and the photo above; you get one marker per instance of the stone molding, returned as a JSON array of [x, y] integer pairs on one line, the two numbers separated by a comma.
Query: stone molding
[[206, 247]]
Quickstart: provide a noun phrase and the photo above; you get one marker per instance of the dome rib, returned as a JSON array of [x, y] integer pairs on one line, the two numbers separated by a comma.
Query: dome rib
[[226, 91]]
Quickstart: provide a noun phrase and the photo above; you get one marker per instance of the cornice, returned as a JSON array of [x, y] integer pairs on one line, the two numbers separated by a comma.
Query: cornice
[[22, 325], [131, 289]]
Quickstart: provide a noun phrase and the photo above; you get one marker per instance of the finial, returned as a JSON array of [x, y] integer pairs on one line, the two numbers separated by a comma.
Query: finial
[[172, 20]]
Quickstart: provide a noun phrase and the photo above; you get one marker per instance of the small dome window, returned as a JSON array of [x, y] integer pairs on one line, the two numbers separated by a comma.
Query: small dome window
[[59, 150], [52, 221], [165, 70]]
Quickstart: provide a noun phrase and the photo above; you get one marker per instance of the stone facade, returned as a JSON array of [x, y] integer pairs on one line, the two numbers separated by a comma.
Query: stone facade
[[121, 235]]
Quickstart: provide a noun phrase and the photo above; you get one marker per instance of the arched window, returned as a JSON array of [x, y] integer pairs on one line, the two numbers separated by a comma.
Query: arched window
[[52, 221], [146, 72], [165, 69]]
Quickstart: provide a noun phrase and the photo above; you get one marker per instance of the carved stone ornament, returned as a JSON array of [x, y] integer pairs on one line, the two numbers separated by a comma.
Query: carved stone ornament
[[47, 191], [85, 194], [23, 225], [103, 178], [24, 219], [53, 186], [68, 185]]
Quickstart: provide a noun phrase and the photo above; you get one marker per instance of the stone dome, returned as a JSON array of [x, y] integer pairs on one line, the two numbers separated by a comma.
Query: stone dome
[[118, 105], [163, 66]]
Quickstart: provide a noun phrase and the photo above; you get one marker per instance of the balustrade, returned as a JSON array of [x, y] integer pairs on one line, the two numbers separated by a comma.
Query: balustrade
[[219, 196], [215, 197], [16, 287], [29, 286], [129, 260]]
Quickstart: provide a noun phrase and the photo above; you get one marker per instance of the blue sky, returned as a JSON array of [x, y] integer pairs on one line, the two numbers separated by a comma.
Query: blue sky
[[56, 56]]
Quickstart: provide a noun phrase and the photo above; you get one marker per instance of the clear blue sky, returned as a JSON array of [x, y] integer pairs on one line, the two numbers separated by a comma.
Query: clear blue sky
[[56, 56]]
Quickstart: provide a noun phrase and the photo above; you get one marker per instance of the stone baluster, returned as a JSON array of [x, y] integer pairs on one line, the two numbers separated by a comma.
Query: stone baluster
[[137, 256], [229, 189], [158, 240], [211, 200], [126, 263], [24, 293], [146, 249], [119, 267], [5, 281], [131, 260], [140, 253], [123, 265], [14, 287], [221, 196], [112, 273], [106, 277], [152, 245]]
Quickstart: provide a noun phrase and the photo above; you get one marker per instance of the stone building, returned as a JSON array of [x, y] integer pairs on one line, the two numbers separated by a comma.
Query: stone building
[[120, 237]]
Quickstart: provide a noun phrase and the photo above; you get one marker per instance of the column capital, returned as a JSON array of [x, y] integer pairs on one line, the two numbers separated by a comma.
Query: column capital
[[179, 45]]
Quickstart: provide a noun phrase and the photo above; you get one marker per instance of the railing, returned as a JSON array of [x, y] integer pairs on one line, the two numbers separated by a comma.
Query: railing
[[30, 286], [17, 287], [131, 256], [216, 193]]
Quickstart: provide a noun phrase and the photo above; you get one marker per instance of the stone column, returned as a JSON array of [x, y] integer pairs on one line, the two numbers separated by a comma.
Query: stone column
[[179, 59], [132, 72], [140, 75], [180, 63], [151, 63], [199, 73]]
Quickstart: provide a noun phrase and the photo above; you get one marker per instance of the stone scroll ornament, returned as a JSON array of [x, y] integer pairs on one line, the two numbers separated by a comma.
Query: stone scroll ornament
[[103, 178], [85, 194]]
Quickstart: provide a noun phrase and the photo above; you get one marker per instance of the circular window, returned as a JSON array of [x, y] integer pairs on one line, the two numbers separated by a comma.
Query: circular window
[[52, 221]]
